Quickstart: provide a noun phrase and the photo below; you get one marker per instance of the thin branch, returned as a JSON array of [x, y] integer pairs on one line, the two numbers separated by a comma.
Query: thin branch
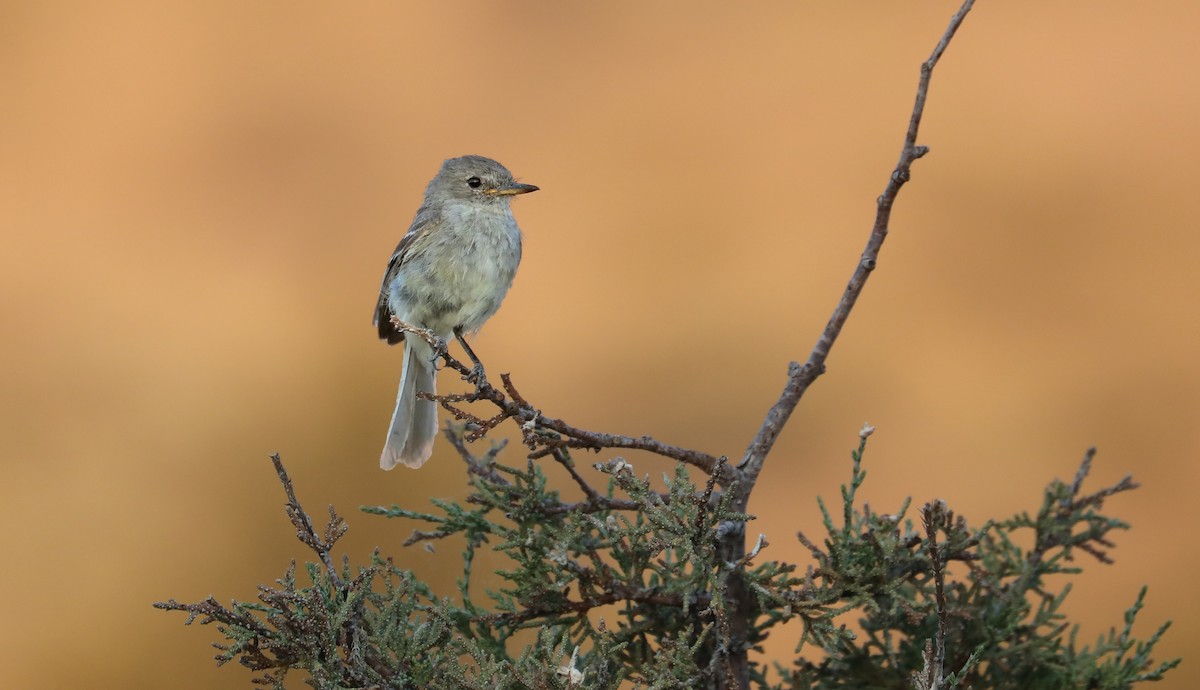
[[563, 458], [800, 377], [758, 546], [933, 516], [479, 466], [542, 434], [1084, 468], [304, 526], [597, 441]]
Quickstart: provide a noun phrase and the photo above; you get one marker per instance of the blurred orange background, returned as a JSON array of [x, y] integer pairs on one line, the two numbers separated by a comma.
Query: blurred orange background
[[198, 201]]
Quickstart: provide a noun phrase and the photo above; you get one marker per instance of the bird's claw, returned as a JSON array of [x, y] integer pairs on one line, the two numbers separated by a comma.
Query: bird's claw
[[476, 375], [440, 349]]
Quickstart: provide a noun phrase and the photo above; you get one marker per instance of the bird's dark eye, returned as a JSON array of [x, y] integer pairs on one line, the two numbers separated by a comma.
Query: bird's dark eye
[[474, 182]]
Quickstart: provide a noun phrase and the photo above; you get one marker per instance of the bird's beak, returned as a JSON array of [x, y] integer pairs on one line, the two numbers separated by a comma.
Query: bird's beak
[[511, 189]]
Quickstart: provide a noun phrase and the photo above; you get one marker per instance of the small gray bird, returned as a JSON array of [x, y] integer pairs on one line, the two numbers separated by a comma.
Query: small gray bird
[[449, 274]]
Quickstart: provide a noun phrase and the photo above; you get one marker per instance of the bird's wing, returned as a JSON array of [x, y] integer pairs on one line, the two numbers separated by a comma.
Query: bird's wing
[[426, 219]]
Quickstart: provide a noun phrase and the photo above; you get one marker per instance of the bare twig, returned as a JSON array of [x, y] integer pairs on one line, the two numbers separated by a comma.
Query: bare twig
[[304, 527], [596, 441], [480, 466], [564, 458], [534, 426], [800, 377], [758, 546]]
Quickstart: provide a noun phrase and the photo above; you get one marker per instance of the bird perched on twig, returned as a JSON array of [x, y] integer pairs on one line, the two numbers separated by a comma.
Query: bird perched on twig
[[449, 274]]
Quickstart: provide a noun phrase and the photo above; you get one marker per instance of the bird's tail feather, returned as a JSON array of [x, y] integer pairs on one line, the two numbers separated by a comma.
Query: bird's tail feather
[[414, 423]]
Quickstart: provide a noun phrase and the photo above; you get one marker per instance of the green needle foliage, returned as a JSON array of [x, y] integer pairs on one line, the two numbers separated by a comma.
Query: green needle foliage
[[624, 589]]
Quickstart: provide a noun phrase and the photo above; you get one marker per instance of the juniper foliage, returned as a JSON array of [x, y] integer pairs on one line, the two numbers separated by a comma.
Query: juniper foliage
[[624, 590]]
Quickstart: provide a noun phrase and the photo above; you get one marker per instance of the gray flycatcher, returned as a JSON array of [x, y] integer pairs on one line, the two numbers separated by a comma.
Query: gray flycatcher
[[449, 274]]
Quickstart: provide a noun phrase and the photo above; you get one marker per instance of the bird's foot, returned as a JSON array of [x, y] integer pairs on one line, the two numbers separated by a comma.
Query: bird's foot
[[477, 375], [440, 349]]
